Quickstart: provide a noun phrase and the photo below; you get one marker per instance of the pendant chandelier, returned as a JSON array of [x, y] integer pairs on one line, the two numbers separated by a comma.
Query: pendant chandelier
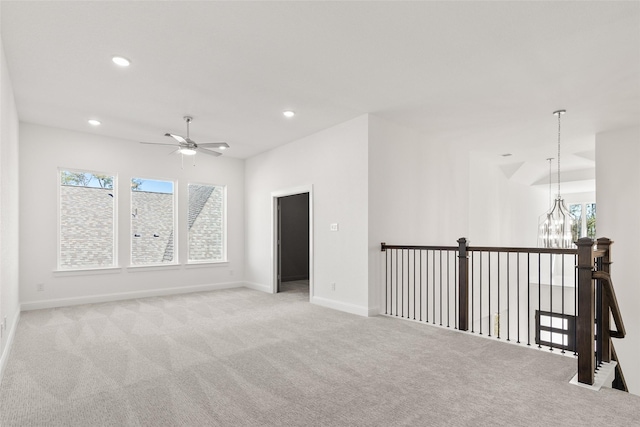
[[556, 225]]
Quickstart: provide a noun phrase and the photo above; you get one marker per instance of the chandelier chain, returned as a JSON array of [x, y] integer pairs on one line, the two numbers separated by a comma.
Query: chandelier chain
[[550, 192], [559, 114]]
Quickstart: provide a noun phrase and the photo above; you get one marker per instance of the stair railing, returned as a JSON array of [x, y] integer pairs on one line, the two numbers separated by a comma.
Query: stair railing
[[499, 289], [597, 304]]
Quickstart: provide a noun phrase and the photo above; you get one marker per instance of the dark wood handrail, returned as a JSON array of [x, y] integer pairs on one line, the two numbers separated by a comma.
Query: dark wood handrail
[[613, 303], [599, 253], [572, 251], [384, 247], [619, 382]]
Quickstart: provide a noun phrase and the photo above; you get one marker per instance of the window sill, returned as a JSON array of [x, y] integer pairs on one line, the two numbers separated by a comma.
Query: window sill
[[139, 268], [206, 264], [87, 271]]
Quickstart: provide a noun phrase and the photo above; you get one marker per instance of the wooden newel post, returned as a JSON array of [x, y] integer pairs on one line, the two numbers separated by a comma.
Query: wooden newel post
[[463, 285], [604, 244], [586, 312]]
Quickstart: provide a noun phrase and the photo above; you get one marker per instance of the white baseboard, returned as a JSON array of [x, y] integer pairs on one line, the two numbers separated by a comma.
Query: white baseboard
[[603, 377], [374, 311], [63, 302], [258, 287], [7, 348], [343, 306]]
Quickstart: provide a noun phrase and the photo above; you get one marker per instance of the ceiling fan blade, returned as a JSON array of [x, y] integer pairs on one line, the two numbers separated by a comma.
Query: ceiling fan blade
[[177, 138], [159, 143], [209, 152], [221, 145]]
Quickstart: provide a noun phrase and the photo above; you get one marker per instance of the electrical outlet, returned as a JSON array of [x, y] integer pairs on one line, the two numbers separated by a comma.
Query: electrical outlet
[[333, 286], [40, 287]]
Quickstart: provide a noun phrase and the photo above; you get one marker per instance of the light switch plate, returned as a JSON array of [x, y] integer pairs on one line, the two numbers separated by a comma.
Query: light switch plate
[[333, 227]]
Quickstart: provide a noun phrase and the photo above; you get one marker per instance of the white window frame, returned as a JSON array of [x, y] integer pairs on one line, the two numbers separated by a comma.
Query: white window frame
[[224, 226], [114, 248], [174, 204], [583, 216]]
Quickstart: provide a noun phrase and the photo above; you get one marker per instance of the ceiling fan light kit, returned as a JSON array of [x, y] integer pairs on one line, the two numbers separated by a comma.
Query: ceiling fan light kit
[[188, 147]]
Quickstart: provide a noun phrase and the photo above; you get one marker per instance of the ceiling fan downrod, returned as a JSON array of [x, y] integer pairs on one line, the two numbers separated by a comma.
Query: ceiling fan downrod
[[188, 119]]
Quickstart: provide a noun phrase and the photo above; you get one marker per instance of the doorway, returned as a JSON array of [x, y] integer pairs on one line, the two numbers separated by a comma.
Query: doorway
[[293, 266]]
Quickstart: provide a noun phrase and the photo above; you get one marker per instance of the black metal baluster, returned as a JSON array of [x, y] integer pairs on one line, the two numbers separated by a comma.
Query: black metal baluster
[[489, 280], [518, 295], [539, 288], [551, 301], [472, 292], [440, 293], [386, 282], [426, 290], [480, 292], [508, 295], [396, 283], [599, 334], [498, 313], [455, 295], [448, 311], [564, 344], [575, 304], [402, 284], [529, 298], [414, 284], [434, 288], [420, 287]]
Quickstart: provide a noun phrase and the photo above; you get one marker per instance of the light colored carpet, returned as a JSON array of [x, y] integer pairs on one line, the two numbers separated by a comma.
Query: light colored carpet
[[245, 358]]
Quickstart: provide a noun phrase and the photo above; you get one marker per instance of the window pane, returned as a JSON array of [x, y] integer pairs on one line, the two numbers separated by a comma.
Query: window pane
[[576, 230], [206, 223], [152, 222], [87, 225], [591, 220]]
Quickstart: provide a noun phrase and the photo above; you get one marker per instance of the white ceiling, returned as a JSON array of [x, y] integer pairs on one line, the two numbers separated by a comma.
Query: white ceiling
[[484, 74]]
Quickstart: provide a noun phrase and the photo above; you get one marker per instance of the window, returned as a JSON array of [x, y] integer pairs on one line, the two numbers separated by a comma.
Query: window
[[590, 215], [556, 330], [86, 220], [576, 229], [152, 222], [585, 224], [206, 223]]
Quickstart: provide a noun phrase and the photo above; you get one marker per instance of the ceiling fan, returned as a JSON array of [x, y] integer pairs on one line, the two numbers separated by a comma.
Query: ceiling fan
[[188, 147]]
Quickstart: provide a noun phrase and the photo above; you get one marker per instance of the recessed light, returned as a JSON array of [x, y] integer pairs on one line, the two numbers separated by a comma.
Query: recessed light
[[121, 61], [94, 122], [288, 113]]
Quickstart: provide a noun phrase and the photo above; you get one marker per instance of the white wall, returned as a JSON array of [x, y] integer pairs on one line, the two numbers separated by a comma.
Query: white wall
[[395, 193], [9, 243], [618, 205], [44, 149], [502, 212], [417, 194], [334, 162]]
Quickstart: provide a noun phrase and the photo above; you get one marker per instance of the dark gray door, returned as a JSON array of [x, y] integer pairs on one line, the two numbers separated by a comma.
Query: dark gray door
[[293, 238]]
